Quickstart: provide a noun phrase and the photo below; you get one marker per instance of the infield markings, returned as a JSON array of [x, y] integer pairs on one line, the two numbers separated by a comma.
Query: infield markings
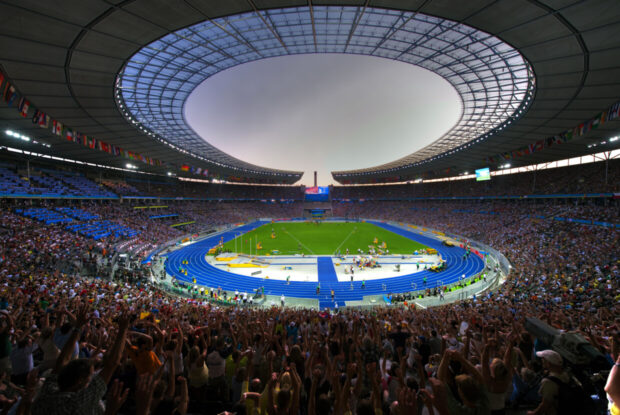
[[298, 241], [345, 239]]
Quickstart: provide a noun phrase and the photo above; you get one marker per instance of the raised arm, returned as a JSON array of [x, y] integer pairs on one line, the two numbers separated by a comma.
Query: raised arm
[[179, 346], [170, 390], [442, 371], [148, 338], [113, 359], [508, 357], [65, 354], [181, 408], [312, 395], [523, 358], [468, 367], [486, 371], [296, 389], [376, 387]]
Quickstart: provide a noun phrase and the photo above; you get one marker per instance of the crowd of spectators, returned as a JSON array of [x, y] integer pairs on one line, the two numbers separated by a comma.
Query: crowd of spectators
[[223, 191], [82, 345], [580, 179], [153, 230], [445, 213], [577, 179], [587, 178]]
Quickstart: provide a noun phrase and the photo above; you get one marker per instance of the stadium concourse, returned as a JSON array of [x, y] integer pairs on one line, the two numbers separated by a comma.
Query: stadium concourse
[[190, 265]]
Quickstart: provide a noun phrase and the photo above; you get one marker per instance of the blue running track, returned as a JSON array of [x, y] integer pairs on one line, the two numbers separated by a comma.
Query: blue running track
[[212, 276]]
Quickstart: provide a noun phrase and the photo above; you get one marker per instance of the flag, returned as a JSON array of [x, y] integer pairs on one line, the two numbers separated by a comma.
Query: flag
[[581, 129], [92, 143], [614, 111], [598, 120], [23, 106], [556, 139], [531, 148], [70, 134], [9, 94], [185, 167], [566, 136], [539, 145], [205, 172], [41, 119], [549, 142], [56, 127], [1, 78]]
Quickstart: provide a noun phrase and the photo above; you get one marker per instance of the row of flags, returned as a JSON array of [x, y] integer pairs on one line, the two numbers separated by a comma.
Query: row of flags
[[585, 127], [43, 120], [195, 170]]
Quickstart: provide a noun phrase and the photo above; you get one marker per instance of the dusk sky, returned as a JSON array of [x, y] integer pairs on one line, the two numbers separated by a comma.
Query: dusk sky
[[322, 112]]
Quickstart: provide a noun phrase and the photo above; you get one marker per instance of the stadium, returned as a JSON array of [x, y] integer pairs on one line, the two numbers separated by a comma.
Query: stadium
[[145, 270]]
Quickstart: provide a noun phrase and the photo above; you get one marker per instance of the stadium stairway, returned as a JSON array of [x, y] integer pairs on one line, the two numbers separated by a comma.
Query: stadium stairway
[[327, 278]]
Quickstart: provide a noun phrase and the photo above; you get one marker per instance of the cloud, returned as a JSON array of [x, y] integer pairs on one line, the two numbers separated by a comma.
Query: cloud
[[322, 112]]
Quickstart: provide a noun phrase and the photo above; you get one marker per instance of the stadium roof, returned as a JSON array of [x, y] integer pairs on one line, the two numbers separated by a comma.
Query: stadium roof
[[65, 57]]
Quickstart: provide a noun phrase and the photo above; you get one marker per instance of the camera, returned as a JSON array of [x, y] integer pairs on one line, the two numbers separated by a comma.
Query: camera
[[585, 362]]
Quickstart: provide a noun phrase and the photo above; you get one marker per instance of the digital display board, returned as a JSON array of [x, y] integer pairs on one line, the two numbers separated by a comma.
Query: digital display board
[[317, 194], [483, 174], [317, 190]]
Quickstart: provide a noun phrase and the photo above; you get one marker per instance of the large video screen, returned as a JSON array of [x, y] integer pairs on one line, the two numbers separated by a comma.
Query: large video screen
[[317, 194], [483, 174]]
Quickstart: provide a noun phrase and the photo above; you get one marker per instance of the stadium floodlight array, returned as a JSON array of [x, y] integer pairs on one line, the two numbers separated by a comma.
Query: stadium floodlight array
[[494, 81]]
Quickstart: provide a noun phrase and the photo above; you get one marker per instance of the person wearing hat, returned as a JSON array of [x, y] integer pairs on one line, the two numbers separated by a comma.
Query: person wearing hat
[[549, 386]]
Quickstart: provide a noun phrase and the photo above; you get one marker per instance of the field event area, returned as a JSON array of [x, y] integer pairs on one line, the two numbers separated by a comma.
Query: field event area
[[320, 238]]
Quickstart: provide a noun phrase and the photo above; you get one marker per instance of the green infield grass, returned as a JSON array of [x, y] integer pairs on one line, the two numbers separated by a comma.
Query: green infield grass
[[325, 238]]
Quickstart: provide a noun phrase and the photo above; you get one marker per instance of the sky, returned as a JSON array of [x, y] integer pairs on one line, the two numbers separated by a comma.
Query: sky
[[322, 112]]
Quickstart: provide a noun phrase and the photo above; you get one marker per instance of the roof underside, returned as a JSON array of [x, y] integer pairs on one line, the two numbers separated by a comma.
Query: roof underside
[[65, 56], [493, 80]]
